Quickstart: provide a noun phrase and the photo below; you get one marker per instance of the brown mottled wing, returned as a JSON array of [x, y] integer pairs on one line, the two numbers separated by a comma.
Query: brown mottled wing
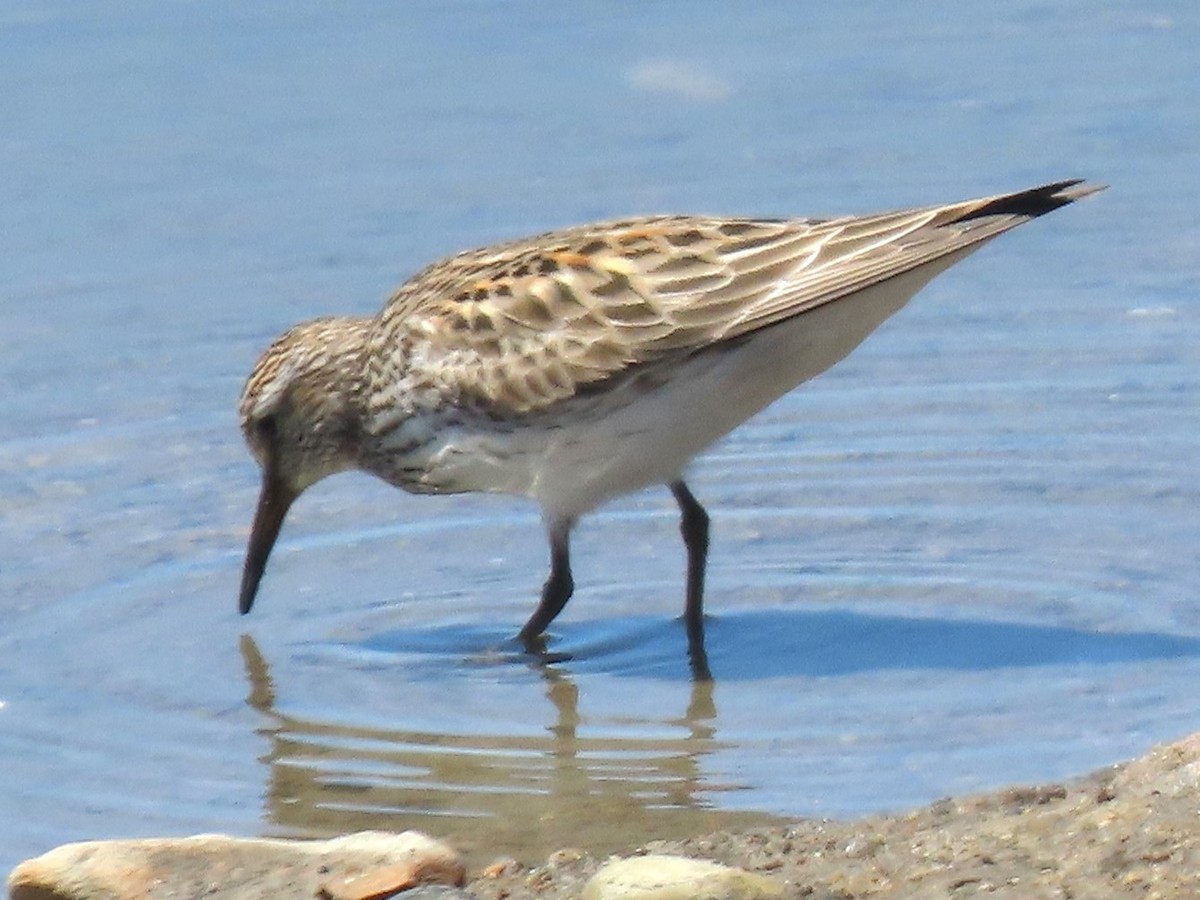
[[518, 327]]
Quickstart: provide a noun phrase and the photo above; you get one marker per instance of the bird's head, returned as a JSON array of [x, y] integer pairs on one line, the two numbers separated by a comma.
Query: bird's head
[[300, 416]]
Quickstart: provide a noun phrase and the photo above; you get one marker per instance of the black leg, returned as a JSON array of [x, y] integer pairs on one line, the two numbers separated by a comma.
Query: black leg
[[558, 587], [697, 655], [693, 525]]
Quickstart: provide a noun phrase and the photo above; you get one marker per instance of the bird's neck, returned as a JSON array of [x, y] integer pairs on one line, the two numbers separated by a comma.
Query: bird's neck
[[345, 383]]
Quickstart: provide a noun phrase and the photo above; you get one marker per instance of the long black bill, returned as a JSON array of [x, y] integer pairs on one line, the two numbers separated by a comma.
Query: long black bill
[[273, 504]]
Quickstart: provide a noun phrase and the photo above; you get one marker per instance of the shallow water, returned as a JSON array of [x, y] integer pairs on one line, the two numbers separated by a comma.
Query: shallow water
[[964, 557]]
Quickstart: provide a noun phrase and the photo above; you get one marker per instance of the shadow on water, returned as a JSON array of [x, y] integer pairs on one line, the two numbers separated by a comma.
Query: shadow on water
[[774, 643], [505, 791], [768, 644]]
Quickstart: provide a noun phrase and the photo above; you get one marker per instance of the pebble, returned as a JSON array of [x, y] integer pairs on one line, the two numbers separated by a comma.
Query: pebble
[[659, 877]]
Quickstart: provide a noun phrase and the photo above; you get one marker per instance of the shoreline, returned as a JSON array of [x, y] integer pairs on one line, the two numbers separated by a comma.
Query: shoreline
[[1131, 829]]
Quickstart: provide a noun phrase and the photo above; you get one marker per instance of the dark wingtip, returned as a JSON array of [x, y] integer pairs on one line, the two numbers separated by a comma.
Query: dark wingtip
[[1036, 201]]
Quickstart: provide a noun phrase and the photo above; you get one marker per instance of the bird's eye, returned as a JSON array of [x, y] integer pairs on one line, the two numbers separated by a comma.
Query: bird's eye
[[265, 427]]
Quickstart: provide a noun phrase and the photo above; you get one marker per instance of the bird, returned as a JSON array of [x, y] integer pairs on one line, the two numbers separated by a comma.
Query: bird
[[583, 364]]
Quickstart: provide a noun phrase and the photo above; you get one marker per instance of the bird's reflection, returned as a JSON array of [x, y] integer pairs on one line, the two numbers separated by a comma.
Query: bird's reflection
[[495, 793]]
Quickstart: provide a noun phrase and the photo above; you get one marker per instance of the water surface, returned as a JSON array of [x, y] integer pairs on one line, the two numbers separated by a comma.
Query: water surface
[[964, 557]]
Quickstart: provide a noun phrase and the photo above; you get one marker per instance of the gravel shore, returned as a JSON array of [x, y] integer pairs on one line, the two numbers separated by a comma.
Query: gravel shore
[[1132, 830]]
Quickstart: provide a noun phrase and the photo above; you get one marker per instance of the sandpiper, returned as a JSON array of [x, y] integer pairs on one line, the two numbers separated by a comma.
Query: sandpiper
[[586, 363]]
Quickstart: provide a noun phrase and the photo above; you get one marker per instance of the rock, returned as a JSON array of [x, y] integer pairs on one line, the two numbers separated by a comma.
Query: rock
[[658, 877], [501, 867], [434, 892], [366, 866]]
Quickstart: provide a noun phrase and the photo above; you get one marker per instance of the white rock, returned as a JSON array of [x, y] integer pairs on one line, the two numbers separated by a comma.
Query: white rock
[[658, 877], [218, 867]]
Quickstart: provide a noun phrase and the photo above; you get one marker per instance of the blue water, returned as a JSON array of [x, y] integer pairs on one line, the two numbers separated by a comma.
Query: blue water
[[966, 556]]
